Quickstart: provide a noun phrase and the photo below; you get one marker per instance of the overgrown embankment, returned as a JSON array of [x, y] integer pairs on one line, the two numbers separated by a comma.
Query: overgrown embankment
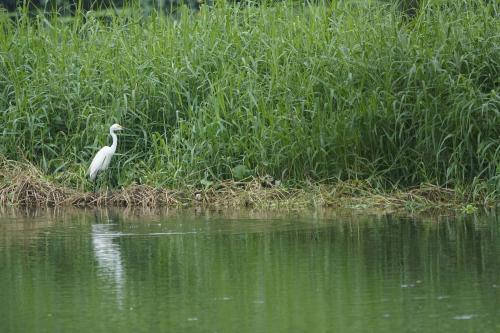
[[22, 184], [347, 93]]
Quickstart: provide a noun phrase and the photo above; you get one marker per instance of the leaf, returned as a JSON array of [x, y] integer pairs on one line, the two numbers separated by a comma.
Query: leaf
[[241, 172], [206, 183]]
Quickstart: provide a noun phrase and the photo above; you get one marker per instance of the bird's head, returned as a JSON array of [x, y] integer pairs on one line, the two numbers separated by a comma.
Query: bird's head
[[116, 127]]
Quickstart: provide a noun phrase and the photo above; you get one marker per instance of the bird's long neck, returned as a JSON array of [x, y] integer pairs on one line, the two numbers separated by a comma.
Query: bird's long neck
[[115, 140]]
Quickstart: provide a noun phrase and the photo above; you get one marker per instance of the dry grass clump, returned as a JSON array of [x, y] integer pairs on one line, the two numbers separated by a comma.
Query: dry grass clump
[[429, 194], [143, 195], [361, 194], [254, 193], [352, 194], [22, 184], [32, 191], [29, 191]]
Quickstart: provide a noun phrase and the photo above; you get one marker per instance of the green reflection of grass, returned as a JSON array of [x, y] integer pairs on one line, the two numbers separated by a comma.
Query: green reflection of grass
[[348, 273]]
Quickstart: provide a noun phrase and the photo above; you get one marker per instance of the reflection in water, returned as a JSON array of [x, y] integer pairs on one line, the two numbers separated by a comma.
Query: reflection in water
[[251, 274], [108, 257]]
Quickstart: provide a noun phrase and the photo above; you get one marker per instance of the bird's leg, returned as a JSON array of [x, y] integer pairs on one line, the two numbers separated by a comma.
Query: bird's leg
[[109, 183], [108, 180], [96, 181]]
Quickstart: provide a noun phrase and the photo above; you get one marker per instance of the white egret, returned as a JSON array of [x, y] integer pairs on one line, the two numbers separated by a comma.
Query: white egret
[[103, 157]]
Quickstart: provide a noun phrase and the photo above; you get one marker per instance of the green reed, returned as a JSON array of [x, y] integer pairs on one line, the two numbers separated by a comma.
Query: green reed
[[301, 92]]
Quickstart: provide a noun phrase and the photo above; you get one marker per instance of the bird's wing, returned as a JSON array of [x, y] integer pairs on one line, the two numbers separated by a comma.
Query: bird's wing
[[98, 163], [107, 160]]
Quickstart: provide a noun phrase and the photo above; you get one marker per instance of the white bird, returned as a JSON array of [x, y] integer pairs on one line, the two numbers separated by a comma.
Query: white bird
[[103, 157]]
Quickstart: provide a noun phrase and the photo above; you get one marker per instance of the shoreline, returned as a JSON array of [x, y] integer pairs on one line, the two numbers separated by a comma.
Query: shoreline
[[22, 185]]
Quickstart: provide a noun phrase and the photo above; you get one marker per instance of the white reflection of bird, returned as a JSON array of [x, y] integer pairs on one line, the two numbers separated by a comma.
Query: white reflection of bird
[[108, 256], [103, 157]]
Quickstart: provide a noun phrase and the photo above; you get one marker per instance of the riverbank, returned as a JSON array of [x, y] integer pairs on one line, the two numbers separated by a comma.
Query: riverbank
[[23, 185]]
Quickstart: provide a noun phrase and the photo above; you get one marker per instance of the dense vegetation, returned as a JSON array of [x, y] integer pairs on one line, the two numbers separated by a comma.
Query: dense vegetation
[[72, 7], [303, 93]]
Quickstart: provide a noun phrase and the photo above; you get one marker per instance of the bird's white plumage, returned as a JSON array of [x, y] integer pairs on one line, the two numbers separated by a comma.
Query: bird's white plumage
[[100, 162], [103, 157]]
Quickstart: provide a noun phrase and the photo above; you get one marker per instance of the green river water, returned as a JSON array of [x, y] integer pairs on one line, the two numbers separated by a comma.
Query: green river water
[[181, 271]]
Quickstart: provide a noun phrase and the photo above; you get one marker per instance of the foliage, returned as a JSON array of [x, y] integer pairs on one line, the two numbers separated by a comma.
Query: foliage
[[72, 7], [303, 93]]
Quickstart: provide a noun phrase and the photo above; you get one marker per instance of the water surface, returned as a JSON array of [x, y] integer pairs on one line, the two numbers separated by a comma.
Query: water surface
[[116, 271]]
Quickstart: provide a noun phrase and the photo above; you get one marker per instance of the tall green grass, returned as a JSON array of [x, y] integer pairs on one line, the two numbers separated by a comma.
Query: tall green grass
[[304, 93]]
